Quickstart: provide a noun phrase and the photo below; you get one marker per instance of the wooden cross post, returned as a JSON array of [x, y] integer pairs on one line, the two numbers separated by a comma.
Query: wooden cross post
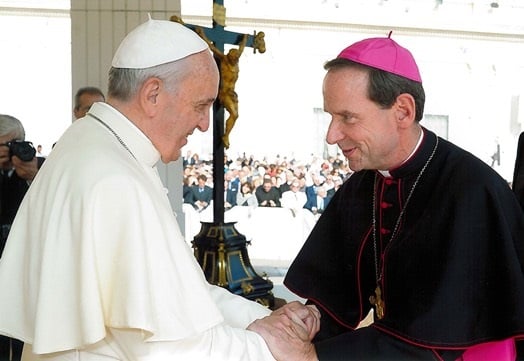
[[217, 37]]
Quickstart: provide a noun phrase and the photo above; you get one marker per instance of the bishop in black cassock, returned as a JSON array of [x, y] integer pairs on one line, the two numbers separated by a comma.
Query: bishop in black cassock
[[434, 245]]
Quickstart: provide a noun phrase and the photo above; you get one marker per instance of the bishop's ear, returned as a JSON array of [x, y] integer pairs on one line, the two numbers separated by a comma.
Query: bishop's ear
[[405, 108]]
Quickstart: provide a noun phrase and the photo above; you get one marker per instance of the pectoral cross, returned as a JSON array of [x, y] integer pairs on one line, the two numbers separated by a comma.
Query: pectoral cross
[[377, 301]]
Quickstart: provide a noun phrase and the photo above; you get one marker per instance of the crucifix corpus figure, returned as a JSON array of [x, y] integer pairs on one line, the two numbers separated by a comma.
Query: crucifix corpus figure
[[228, 62], [228, 77]]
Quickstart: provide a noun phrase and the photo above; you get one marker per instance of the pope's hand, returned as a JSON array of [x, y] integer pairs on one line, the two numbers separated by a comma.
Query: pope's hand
[[306, 316], [288, 331]]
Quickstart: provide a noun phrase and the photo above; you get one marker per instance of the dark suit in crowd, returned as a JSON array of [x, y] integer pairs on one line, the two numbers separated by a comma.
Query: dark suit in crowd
[[201, 194]]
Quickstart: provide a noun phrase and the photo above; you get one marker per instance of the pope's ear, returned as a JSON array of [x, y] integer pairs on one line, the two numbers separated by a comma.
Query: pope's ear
[[405, 108], [149, 95]]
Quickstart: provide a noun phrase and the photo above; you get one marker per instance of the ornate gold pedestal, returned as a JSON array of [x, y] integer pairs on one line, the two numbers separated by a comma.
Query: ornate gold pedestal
[[221, 252]]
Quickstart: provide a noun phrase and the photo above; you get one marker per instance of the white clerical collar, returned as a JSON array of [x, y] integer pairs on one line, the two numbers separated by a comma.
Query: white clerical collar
[[386, 173]]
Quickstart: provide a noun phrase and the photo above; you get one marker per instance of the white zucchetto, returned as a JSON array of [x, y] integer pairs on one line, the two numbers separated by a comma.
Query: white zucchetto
[[157, 42]]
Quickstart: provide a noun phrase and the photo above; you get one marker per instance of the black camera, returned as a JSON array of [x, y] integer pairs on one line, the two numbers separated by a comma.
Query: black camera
[[22, 149]]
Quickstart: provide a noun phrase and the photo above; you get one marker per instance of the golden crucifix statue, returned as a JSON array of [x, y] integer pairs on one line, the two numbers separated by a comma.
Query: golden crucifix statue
[[229, 75], [229, 69]]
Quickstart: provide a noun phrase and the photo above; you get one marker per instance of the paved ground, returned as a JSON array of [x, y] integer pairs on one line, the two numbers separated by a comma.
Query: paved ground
[[276, 271]]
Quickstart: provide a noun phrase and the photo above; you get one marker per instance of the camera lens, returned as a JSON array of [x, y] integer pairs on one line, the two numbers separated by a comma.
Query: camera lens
[[22, 149]]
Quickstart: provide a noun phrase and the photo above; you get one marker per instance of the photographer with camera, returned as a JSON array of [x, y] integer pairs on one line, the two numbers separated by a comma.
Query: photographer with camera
[[18, 167]]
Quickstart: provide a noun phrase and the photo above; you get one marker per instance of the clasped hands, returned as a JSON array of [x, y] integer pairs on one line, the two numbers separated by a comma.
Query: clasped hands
[[268, 203], [288, 331]]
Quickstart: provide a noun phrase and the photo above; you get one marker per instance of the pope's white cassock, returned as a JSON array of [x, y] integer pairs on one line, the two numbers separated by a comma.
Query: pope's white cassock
[[96, 267]]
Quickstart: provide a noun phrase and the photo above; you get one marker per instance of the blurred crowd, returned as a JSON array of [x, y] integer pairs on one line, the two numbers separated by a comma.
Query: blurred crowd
[[278, 182]]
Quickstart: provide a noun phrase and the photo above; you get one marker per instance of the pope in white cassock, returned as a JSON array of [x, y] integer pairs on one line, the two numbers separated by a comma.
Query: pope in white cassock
[[95, 266]]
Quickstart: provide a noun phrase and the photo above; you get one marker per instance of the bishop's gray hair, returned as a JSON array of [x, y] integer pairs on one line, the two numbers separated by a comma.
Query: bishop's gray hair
[[9, 124]]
